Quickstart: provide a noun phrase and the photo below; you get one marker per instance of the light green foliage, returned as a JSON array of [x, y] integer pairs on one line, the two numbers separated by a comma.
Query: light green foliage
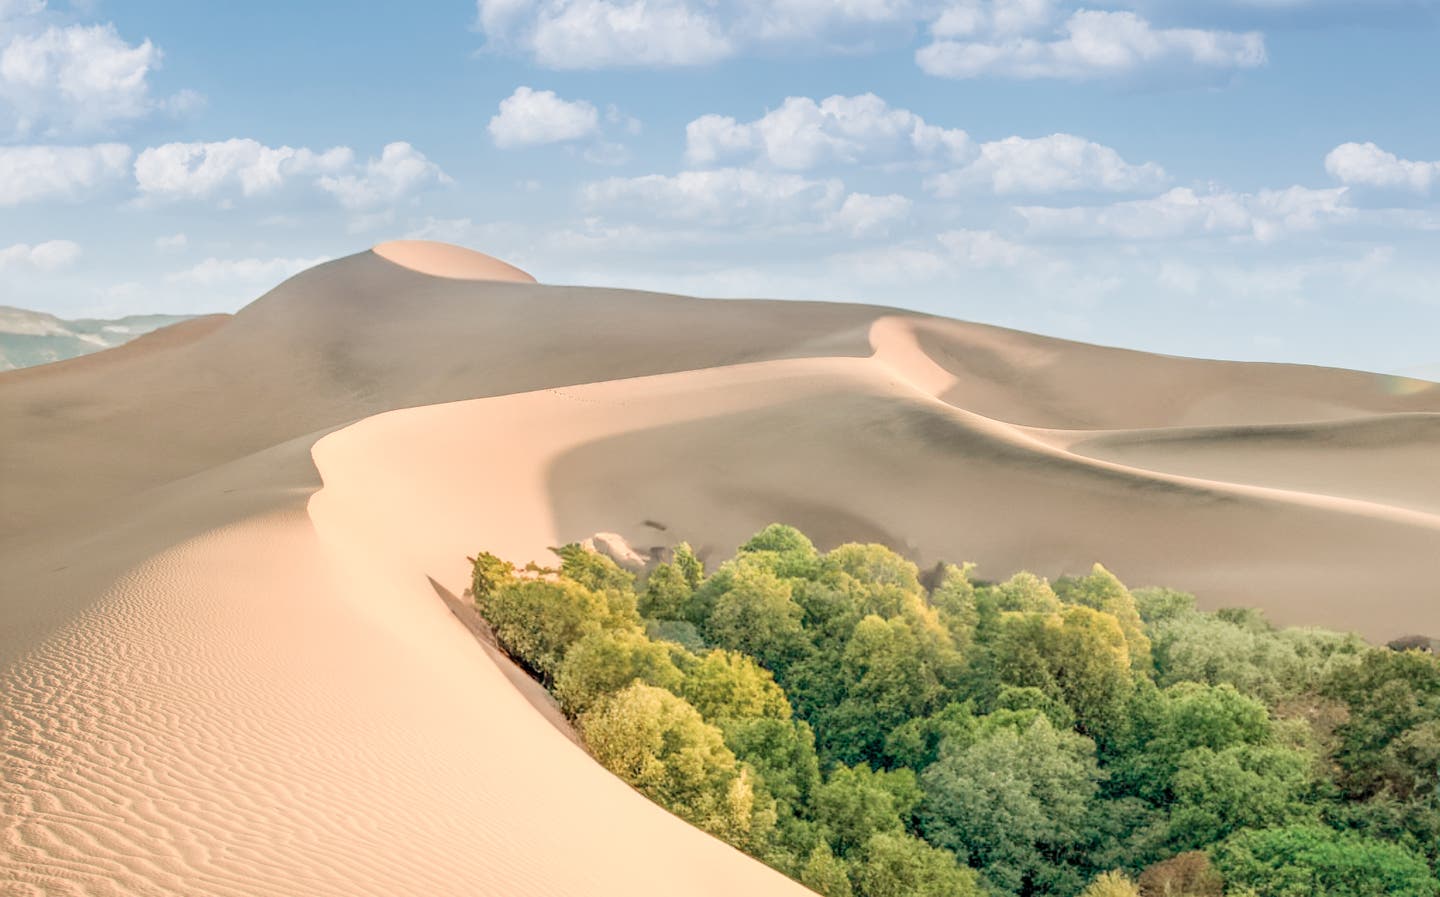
[[1243, 786], [689, 565], [660, 744], [537, 620], [900, 865], [784, 551], [1015, 803], [824, 873], [729, 685], [488, 573], [593, 570], [753, 613], [856, 803], [667, 592], [878, 580], [954, 600], [607, 661], [1111, 884], [1157, 605], [1079, 656], [782, 752], [1103, 592], [1308, 861], [1025, 593]]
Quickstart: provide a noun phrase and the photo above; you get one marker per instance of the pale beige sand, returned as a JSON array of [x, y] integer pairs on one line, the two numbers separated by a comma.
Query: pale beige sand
[[445, 260], [219, 677]]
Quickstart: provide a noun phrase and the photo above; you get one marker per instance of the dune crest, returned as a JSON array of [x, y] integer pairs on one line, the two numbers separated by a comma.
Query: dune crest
[[447, 260], [225, 664]]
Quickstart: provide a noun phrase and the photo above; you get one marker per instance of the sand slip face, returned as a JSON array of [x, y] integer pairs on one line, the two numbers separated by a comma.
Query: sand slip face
[[224, 669]]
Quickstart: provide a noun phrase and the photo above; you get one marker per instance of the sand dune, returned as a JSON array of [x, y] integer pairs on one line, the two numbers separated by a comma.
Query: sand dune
[[225, 669]]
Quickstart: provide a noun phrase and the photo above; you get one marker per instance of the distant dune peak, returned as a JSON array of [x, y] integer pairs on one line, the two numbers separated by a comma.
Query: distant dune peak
[[447, 260]]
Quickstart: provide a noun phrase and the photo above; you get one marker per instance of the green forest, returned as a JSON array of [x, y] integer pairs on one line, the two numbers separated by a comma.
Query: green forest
[[872, 732]]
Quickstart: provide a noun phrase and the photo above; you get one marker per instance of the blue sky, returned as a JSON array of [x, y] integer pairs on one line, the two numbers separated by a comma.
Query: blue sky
[[1253, 179]]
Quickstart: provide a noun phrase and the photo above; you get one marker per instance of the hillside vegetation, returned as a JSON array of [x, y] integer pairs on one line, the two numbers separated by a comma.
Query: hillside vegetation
[[873, 733]]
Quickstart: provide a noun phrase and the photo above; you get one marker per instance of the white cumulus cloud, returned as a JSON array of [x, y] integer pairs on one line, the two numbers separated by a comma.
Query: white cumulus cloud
[[802, 134], [1019, 39], [530, 117], [77, 79], [1059, 162], [205, 170], [247, 168], [588, 34], [1365, 164], [30, 173], [400, 171], [51, 255]]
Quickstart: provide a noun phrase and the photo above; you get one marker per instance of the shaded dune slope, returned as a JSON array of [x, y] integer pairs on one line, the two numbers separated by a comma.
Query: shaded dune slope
[[223, 664]]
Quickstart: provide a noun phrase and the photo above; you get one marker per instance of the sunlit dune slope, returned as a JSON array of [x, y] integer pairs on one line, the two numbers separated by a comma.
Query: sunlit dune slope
[[225, 669]]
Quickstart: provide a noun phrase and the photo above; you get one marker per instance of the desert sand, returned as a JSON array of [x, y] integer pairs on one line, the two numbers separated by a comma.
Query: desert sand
[[225, 662]]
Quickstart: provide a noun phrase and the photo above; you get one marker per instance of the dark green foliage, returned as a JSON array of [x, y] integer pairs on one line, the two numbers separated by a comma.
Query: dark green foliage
[[1015, 803], [1309, 861], [667, 592], [824, 712], [857, 802]]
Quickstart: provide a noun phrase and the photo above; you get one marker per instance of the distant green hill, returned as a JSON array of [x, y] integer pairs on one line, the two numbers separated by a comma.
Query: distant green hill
[[29, 338]]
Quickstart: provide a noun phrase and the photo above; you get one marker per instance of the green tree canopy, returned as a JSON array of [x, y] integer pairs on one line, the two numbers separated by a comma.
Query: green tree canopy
[[605, 662], [1309, 861], [1015, 803], [900, 865], [661, 745]]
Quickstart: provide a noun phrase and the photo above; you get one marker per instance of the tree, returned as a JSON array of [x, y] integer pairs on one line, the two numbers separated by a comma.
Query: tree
[[1166, 724], [604, 662], [824, 873], [667, 592], [1026, 593], [593, 570], [1079, 656], [488, 573], [689, 565], [1111, 884], [660, 744], [954, 599], [890, 682], [1309, 861], [782, 753], [878, 580], [916, 744], [537, 620], [900, 865], [783, 550], [1102, 591], [754, 614], [1157, 604], [1389, 740], [1015, 802], [729, 685], [857, 802], [1243, 786], [1183, 875]]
